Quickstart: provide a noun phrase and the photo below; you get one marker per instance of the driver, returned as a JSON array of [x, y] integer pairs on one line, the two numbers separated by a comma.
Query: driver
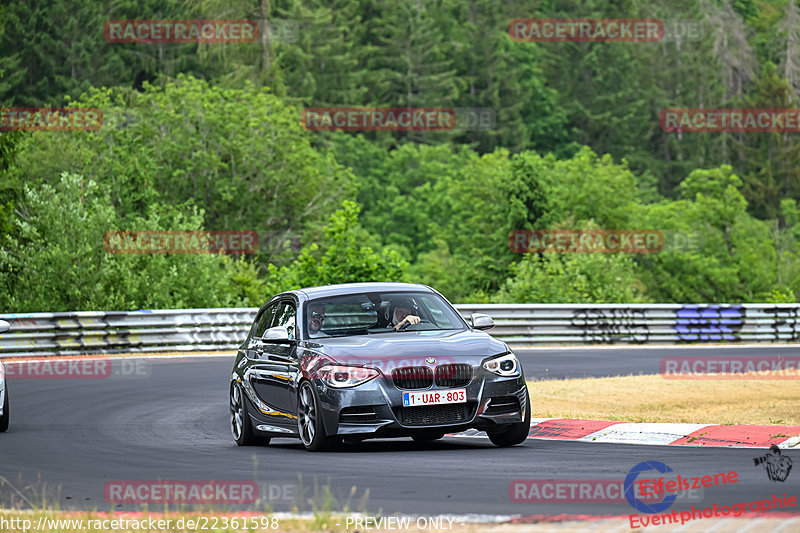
[[404, 313], [316, 314]]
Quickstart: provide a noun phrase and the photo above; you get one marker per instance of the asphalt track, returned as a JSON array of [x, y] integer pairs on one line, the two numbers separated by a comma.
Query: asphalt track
[[169, 421]]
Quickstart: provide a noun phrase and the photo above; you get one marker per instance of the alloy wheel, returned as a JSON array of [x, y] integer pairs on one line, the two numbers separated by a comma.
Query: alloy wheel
[[237, 413], [307, 416]]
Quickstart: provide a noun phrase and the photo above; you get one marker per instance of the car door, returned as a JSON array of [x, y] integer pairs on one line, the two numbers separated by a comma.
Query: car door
[[260, 325], [273, 376]]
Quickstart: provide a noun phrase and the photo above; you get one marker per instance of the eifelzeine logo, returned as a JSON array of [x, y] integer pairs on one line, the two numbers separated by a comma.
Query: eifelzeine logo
[[50, 119], [181, 242], [730, 120], [180, 31], [378, 119], [586, 30]]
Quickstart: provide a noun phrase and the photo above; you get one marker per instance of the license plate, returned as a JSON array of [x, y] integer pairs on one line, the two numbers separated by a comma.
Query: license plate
[[437, 397]]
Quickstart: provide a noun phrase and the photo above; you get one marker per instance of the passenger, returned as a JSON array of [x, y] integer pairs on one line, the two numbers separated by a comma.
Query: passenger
[[316, 314]]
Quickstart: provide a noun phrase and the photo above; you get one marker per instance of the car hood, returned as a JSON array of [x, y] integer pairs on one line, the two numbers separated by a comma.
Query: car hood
[[409, 344]]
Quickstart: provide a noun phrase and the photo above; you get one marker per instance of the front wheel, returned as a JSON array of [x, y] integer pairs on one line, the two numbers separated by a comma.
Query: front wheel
[[309, 421], [240, 421], [6, 415], [512, 434]]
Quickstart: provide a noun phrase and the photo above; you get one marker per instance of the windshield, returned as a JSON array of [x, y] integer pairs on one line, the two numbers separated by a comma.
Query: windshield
[[375, 313]]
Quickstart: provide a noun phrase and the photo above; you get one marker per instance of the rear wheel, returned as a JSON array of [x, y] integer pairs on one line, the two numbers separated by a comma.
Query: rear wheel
[[241, 429], [512, 434], [6, 415], [309, 421]]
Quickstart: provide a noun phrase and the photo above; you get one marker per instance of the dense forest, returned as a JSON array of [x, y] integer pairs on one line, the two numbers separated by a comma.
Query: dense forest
[[208, 136]]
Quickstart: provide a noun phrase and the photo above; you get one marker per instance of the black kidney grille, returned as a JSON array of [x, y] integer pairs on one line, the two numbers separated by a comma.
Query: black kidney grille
[[431, 415], [412, 377], [453, 375]]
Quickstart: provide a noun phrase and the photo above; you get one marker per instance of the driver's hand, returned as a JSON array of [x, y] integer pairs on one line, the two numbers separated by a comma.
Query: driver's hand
[[410, 319]]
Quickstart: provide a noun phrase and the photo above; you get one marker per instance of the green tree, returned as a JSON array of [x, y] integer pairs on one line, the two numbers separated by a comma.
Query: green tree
[[572, 278], [55, 259], [342, 258], [771, 160], [53, 49], [732, 256], [241, 154]]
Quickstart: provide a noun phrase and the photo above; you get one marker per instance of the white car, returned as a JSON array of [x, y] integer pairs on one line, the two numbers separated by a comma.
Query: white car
[[4, 415]]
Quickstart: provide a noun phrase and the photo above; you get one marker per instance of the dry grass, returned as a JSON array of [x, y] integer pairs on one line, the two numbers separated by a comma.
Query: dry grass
[[655, 399]]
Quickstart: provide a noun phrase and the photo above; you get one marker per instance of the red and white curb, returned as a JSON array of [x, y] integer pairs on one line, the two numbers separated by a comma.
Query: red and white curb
[[660, 434]]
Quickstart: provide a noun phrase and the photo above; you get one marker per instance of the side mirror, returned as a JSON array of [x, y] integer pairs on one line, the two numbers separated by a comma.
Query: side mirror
[[4, 326], [276, 334], [480, 321]]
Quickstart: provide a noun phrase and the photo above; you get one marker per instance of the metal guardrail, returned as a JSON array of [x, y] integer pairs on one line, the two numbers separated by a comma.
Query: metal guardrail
[[518, 324]]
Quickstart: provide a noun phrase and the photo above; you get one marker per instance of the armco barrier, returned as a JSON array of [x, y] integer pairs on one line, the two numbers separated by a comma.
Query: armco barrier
[[517, 324]]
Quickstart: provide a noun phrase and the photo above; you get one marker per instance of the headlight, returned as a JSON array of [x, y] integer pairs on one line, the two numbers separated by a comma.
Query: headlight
[[339, 376], [504, 365]]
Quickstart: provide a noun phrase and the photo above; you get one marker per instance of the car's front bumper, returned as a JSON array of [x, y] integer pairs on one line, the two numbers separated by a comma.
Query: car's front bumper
[[375, 409]]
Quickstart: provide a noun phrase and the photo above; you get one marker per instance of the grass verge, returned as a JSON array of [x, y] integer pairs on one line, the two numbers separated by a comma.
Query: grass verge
[[656, 399]]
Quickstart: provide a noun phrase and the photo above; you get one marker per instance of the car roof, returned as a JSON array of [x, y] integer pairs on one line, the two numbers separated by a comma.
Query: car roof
[[356, 288]]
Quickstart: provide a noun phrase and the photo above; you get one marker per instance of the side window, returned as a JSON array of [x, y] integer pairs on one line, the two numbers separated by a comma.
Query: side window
[[286, 318], [265, 320]]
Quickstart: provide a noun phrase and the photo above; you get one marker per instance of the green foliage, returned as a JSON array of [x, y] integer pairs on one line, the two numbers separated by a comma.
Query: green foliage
[[55, 259], [207, 136], [571, 278], [733, 256], [235, 152], [341, 259], [772, 160]]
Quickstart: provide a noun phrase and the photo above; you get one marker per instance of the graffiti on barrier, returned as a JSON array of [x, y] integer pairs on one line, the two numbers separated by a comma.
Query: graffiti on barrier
[[609, 326], [784, 323], [709, 323]]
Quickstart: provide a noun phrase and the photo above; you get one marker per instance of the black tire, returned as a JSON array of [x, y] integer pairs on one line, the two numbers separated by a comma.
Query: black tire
[[6, 415], [513, 434], [310, 426], [241, 429], [427, 436]]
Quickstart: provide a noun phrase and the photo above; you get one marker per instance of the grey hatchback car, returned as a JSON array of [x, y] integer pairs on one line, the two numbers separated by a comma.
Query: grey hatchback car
[[343, 363]]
